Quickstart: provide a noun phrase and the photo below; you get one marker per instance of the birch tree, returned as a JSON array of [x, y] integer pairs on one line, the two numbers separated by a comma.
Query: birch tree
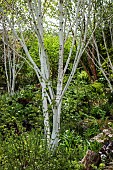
[[100, 61], [106, 43], [11, 57], [9, 60], [73, 20]]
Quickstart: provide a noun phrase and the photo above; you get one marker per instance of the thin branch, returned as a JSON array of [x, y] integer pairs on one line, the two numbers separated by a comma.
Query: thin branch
[[100, 65]]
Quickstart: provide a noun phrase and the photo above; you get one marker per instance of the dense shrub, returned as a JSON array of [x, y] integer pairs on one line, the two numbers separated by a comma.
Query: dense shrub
[[22, 144], [28, 151]]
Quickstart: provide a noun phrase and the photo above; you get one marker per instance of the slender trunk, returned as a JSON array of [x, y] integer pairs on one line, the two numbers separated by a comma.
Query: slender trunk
[[13, 70], [94, 71], [5, 65], [45, 115], [56, 127], [93, 68], [87, 71], [91, 61], [57, 108], [13, 62], [6, 51], [100, 66], [44, 71]]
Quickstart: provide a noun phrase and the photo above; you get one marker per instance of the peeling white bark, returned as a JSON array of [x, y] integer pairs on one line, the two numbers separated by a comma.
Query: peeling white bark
[[57, 108]]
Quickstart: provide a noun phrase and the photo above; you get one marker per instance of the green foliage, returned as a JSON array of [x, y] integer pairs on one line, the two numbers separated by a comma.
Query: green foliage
[[82, 76], [98, 86], [25, 105], [82, 99], [27, 149], [82, 104]]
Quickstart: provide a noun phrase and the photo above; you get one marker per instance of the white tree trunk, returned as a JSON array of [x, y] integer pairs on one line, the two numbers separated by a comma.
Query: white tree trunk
[[5, 64], [56, 127], [44, 71], [57, 108]]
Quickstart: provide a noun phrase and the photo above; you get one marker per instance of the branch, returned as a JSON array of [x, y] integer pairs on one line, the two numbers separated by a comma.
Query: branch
[[111, 65], [74, 22], [61, 52], [100, 65], [38, 32]]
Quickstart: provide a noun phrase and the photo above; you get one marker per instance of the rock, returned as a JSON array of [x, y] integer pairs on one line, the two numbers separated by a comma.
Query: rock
[[99, 138], [109, 166], [105, 155], [105, 135], [90, 158]]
